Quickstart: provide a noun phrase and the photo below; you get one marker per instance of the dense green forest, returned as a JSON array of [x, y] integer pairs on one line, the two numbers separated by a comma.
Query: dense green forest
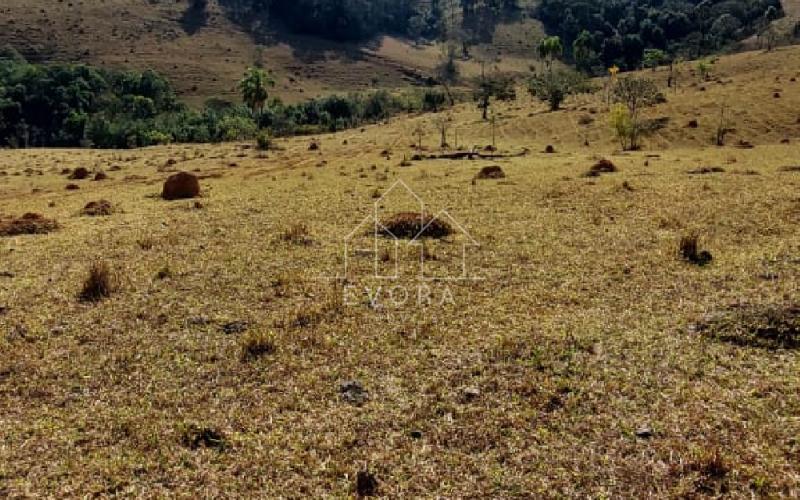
[[360, 19], [606, 32], [77, 105], [595, 33]]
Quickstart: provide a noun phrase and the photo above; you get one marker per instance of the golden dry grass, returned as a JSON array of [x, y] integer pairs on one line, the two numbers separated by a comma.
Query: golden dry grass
[[571, 369]]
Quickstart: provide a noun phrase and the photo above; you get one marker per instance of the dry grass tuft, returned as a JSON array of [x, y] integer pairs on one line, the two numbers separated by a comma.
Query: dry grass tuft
[[99, 283], [413, 224], [297, 234], [689, 250], [256, 344], [98, 208], [194, 436], [767, 326], [712, 470], [29, 223], [366, 484]]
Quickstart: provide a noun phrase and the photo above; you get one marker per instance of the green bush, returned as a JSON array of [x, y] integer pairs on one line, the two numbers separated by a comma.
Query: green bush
[[263, 140], [237, 128]]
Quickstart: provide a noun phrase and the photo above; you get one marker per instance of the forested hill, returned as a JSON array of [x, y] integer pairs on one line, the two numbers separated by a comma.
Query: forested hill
[[614, 31], [360, 19], [595, 33], [319, 47]]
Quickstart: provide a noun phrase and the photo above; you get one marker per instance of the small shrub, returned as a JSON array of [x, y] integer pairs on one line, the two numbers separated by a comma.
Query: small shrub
[[99, 284], [263, 141], [146, 243], [366, 484], [689, 249], [256, 344]]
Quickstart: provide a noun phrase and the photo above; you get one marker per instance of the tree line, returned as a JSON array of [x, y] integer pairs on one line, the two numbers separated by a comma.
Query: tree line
[[75, 105], [347, 20], [598, 34]]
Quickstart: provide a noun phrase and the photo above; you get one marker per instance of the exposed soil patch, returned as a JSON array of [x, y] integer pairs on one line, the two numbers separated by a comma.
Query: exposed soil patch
[[194, 437], [706, 170], [689, 249], [98, 208], [491, 172], [768, 326], [413, 224], [79, 174], [29, 223], [601, 167], [181, 186]]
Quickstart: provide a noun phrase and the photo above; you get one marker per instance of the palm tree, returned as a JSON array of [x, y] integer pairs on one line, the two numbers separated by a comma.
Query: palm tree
[[254, 89], [549, 49]]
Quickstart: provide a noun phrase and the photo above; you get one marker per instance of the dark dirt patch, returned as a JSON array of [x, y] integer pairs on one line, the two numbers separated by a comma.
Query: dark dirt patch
[[29, 223], [181, 186], [491, 172], [770, 326], [413, 224], [79, 174], [601, 167], [98, 208], [706, 170], [689, 250], [194, 437]]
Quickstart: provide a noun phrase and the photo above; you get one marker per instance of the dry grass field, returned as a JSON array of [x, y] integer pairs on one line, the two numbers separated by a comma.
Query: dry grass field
[[583, 358]]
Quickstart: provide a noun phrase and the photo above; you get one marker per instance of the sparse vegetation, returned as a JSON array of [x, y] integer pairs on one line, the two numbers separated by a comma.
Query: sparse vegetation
[[557, 343], [555, 86], [634, 94], [256, 344], [99, 283], [689, 250]]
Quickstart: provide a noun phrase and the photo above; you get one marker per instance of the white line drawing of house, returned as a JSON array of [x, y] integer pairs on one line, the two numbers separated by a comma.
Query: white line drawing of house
[[468, 242], [381, 235]]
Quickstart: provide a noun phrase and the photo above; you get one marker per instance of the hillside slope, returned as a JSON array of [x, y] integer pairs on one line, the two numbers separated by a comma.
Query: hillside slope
[[225, 364], [204, 59]]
